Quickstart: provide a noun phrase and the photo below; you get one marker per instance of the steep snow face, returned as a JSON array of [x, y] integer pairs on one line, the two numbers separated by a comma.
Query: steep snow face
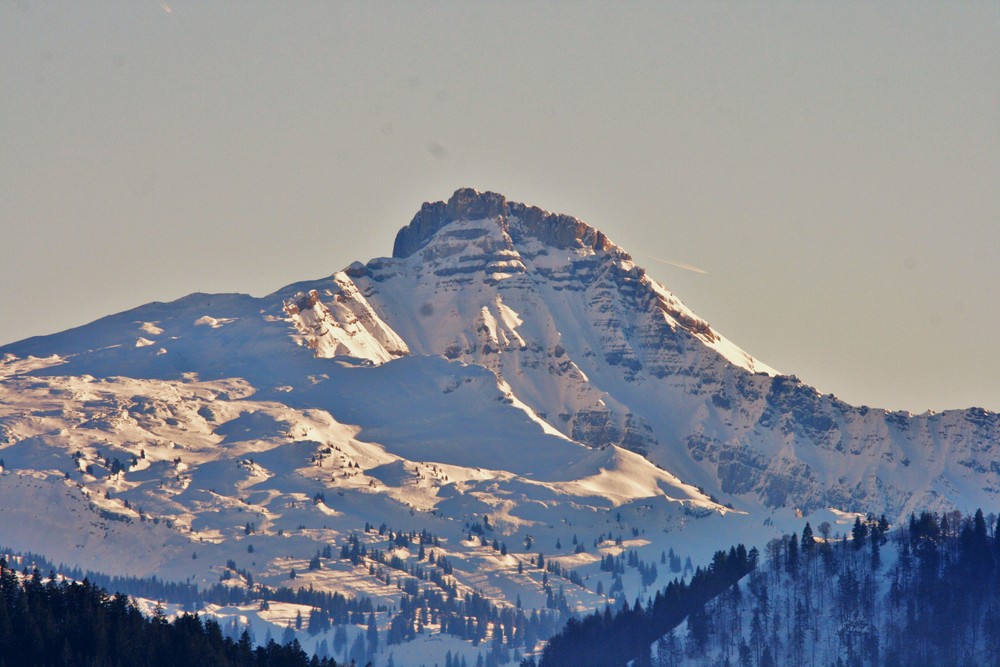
[[546, 302], [344, 325], [483, 236]]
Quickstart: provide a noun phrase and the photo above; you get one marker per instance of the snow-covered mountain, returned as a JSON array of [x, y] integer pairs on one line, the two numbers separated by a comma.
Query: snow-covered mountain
[[604, 354], [509, 377]]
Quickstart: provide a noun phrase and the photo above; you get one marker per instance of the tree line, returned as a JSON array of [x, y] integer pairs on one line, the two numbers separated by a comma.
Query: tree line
[[615, 638], [53, 622], [922, 594]]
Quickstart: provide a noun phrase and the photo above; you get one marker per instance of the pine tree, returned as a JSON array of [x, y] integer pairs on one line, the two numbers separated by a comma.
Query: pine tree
[[876, 552], [859, 533], [792, 563], [808, 541]]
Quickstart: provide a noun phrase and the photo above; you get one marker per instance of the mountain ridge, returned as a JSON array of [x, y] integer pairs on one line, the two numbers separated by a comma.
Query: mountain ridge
[[584, 340]]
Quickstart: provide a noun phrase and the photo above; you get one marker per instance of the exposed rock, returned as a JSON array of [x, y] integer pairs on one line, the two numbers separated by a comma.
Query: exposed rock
[[556, 230], [465, 204]]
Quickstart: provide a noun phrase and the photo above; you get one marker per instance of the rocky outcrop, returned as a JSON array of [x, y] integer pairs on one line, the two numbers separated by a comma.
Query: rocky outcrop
[[343, 325], [555, 230], [465, 204]]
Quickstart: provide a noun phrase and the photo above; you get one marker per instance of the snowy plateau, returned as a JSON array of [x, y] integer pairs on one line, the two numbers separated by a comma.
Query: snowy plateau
[[486, 416]]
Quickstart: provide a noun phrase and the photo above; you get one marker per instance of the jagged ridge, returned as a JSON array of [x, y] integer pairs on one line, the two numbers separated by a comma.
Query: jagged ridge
[[557, 230]]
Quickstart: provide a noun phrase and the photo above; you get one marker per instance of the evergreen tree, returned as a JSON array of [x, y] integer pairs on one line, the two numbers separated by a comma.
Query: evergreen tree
[[859, 533], [792, 555], [808, 541]]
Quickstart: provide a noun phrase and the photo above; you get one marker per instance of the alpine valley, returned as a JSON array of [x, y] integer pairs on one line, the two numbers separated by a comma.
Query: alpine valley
[[445, 452]]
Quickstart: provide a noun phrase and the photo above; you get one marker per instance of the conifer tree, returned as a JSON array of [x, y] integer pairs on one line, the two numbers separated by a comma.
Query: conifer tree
[[859, 533], [808, 541]]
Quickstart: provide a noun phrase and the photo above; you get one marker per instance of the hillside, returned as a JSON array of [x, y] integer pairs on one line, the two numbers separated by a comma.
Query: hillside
[[922, 594]]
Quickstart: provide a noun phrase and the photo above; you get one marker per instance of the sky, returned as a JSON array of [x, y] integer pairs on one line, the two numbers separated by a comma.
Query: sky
[[831, 168]]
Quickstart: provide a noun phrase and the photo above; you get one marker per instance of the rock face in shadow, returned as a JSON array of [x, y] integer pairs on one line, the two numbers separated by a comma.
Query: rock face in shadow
[[465, 204]]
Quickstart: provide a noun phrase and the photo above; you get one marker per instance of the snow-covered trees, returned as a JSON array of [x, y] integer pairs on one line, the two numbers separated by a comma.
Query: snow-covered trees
[[925, 594], [615, 638], [61, 623]]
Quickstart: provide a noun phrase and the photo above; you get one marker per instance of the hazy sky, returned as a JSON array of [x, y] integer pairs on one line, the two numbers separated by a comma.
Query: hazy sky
[[833, 167]]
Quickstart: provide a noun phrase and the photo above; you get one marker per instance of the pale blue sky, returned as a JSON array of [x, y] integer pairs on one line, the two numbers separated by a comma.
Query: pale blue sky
[[834, 167]]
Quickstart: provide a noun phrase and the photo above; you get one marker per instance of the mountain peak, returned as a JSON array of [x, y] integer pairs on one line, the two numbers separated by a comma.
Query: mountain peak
[[464, 204], [469, 204]]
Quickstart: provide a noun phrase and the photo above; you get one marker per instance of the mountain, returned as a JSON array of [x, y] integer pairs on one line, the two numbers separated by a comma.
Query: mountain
[[509, 383]]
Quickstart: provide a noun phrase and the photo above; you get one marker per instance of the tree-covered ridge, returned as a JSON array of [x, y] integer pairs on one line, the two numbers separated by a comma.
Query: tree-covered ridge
[[52, 622], [607, 638], [337, 607], [925, 594]]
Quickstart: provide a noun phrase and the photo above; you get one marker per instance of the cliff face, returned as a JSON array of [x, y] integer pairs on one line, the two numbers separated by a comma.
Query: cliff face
[[546, 302]]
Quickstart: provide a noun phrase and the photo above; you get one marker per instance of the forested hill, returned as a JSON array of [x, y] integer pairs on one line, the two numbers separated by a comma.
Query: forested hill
[[927, 593], [48, 622], [613, 639], [924, 594]]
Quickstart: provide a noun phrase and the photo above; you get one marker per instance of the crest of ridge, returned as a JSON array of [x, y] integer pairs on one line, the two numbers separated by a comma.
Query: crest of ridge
[[554, 229]]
